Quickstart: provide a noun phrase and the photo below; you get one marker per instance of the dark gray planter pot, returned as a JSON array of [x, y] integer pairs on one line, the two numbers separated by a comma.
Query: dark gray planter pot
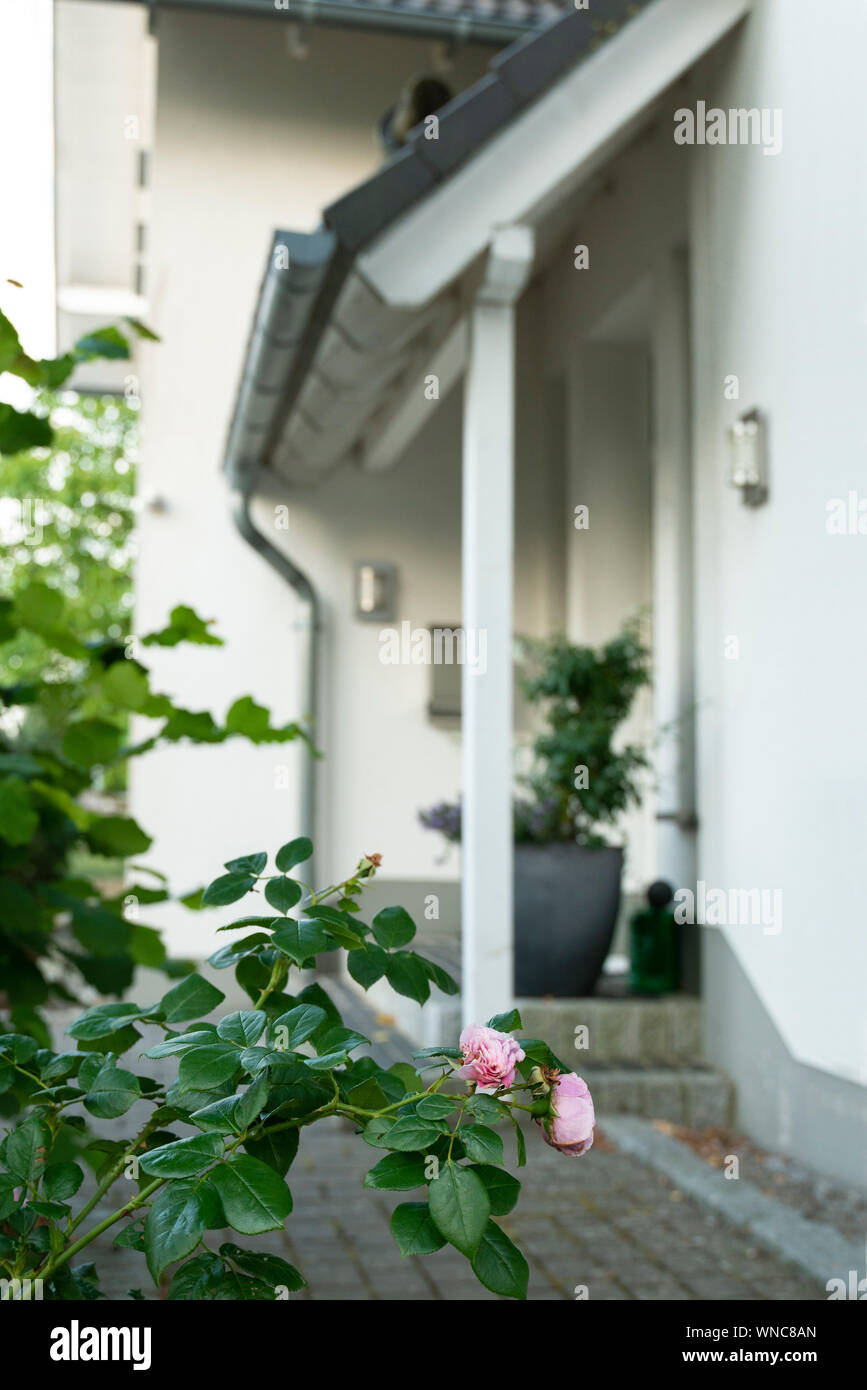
[[566, 904]]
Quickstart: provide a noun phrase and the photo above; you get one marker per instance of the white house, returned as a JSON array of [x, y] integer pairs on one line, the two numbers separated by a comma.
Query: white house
[[623, 270]]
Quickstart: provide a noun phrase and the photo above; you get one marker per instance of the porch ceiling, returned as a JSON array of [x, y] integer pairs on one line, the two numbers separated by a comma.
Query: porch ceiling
[[344, 333]]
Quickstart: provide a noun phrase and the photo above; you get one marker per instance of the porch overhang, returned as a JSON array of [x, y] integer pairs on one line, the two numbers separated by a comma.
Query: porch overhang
[[351, 318]]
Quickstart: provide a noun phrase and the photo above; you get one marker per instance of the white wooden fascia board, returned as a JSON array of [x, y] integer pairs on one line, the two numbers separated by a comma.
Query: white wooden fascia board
[[545, 151]]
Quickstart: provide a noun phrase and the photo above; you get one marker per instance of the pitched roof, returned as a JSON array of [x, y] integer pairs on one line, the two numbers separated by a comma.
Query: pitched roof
[[348, 316], [306, 274], [482, 21]]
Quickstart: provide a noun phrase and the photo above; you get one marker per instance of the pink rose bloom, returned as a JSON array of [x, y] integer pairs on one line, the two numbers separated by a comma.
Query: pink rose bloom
[[569, 1127], [490, 1057]]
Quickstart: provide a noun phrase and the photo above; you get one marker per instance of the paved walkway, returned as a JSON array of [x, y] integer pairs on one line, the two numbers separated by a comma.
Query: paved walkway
[[604, 1221]]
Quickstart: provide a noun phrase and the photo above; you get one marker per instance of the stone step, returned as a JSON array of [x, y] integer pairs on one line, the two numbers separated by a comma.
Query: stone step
[[695, 1096], [624, 1031]]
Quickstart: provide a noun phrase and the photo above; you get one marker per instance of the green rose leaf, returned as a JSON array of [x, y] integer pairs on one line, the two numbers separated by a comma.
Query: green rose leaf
[[414, 1132], [8, 1199], [218, 1116], [520, 1144], [393, 927], [340, 926], [111, 1092], [367, 966], [484, 1107], [414, 1229], [205, 1068], [277, 1150], [174, 1226], [460, 1206], [346, 1038], [283, 893], [441, 978], [228, 888], [296, 852], [376, 1131], [397, 1172], [18, 1046], [436, 1107], [269, 1268], [184, 1158], [499, 1265], [103, 1020], [254, 1197], [327, 1062], [247, 864], [251, 1102], [190, 999], [503, 1190], [182, 1042], [505, 1023], [406, 974], [300, 940], [482, 1144], [61, 1180], [244, 1027], [299, 1024], [26, 1148]]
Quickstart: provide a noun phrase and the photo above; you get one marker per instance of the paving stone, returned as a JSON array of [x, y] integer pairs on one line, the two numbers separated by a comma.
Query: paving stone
[[606, 1221]]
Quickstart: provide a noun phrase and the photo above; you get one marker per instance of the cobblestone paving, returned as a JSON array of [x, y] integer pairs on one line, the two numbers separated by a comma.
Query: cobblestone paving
[[605, 1222]]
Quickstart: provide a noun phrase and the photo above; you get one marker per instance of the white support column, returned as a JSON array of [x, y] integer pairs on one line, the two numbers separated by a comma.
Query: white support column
[[673, 577], [488, 582]]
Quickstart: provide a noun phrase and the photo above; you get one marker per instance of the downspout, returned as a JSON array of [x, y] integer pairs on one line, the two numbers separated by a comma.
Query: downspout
[[311, 626]]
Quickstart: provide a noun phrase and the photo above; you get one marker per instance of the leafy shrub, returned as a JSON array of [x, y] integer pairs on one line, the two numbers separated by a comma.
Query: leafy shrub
[[68, 691], [224, 1131]]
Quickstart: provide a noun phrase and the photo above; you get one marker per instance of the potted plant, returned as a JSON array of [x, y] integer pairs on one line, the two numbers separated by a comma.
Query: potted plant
[[567, 873]]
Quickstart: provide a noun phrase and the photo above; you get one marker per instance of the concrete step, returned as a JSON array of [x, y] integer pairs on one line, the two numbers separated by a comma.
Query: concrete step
[[696, 1096], [624, 1031]]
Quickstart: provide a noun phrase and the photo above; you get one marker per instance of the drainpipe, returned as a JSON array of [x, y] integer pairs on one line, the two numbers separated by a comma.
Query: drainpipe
[[311, 626]]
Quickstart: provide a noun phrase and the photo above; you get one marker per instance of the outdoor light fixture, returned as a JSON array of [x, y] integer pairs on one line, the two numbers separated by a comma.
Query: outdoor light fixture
[[375, 591], [748, 468]]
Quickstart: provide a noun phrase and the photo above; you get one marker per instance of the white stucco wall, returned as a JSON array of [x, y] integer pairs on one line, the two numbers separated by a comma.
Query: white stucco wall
[[781, 300], [247, 139]]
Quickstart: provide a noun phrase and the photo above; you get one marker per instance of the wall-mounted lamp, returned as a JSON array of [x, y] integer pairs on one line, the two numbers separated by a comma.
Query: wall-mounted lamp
[[748, 458], [375, 591]]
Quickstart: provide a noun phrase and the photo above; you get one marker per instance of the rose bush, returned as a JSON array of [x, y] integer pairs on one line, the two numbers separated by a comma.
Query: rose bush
[[224, 1127]]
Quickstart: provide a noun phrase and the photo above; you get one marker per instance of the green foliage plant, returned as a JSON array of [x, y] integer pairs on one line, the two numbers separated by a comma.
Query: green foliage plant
[[238, 1091]]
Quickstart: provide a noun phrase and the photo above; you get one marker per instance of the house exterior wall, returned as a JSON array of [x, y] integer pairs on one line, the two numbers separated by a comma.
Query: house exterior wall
[[104, 90], [246, 140], [598, 333], [780, 288]]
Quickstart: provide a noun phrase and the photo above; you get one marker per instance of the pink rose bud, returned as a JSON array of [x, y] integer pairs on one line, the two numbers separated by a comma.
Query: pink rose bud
[[569, 1124], [490, 1057]]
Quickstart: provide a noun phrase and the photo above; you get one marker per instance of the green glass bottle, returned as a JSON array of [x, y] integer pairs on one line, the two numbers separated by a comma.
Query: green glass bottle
[[654, 944]]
